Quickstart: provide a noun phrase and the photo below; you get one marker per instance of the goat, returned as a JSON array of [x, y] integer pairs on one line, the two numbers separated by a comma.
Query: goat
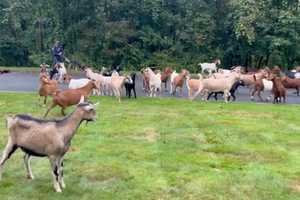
[[210, 67], [104, 82], [71, 97], [279, 90], [193, 85], [232, 91], [179, 80], [45, 138], [165, 76], [146, 78], [289, 83], [154, 82], [217, 85], [117, 82], [173, 75], [78, 83], [262, 84], [130, 85], [47, 87]]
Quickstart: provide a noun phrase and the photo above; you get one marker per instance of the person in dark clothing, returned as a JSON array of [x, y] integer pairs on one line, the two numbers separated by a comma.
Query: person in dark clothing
[[58, 58], [58, 53]]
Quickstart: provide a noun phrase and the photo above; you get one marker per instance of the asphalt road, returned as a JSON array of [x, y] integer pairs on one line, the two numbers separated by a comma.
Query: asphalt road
[[29, 82]]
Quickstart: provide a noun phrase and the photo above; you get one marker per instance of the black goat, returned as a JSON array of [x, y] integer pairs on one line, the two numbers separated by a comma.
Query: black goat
[[130, 85], [232, 91]]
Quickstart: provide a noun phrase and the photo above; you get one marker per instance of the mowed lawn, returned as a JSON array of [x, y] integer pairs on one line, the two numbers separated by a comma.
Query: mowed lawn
[[166, 149]]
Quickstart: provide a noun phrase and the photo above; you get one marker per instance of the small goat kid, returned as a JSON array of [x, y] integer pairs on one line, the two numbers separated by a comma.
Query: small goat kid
[[45, 138]]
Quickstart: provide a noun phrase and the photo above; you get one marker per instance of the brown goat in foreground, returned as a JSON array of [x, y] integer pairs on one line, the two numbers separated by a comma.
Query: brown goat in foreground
[[71, 97], [47, 87]]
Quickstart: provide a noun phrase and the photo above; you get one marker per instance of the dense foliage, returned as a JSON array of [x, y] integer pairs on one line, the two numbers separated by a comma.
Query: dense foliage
[[133, 33]]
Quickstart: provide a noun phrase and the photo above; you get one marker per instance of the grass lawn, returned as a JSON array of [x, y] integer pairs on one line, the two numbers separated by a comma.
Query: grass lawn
[[166, 149]]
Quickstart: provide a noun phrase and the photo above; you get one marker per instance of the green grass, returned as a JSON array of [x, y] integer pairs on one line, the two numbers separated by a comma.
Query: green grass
[[166, 149]]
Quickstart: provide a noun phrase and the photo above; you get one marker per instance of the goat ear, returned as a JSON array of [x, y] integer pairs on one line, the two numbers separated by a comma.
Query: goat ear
[[81, 99]]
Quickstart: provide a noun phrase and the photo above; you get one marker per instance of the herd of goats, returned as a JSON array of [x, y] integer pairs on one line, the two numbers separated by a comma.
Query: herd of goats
[[211, 82], [52, 138]]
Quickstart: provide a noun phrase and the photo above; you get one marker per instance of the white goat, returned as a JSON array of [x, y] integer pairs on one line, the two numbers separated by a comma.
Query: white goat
[[45, 138], [209, 67], [104, 83], [173, 75], [79, 83], [154, 82]]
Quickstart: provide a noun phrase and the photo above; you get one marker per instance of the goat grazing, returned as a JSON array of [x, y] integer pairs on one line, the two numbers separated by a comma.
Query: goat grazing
[[45, 138], [130, 85], [71, 97]]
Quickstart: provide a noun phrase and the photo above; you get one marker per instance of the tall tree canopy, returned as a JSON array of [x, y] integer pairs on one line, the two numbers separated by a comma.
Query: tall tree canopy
[[135, 33]]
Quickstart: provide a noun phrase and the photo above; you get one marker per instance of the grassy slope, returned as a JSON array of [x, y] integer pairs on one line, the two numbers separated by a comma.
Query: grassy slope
[[167, 149]]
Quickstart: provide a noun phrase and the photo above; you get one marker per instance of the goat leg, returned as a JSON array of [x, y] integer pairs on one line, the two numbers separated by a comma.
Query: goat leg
[[8, 151], [134, 92], [51, 107], [63, 111], [61, 174], [54, 161], [27, 158], [45, 100]]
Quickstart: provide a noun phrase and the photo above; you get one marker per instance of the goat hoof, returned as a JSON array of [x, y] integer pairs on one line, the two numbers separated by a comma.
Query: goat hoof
[[30, 177], [58, 190]]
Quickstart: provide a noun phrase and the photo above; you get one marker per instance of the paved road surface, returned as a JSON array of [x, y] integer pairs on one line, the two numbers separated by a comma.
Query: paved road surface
[[28, 82]]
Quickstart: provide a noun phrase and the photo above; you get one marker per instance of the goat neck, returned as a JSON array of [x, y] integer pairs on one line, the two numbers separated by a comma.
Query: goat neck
[[87, 89], [70, 124]]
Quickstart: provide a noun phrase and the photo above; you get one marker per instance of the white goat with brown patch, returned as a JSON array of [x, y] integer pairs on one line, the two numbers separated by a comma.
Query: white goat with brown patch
[[45, 138]]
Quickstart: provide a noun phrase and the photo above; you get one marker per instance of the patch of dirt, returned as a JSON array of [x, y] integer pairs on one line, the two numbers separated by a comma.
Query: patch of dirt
[[252, 114], [74, 149], [150, 135], [296, 186]]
